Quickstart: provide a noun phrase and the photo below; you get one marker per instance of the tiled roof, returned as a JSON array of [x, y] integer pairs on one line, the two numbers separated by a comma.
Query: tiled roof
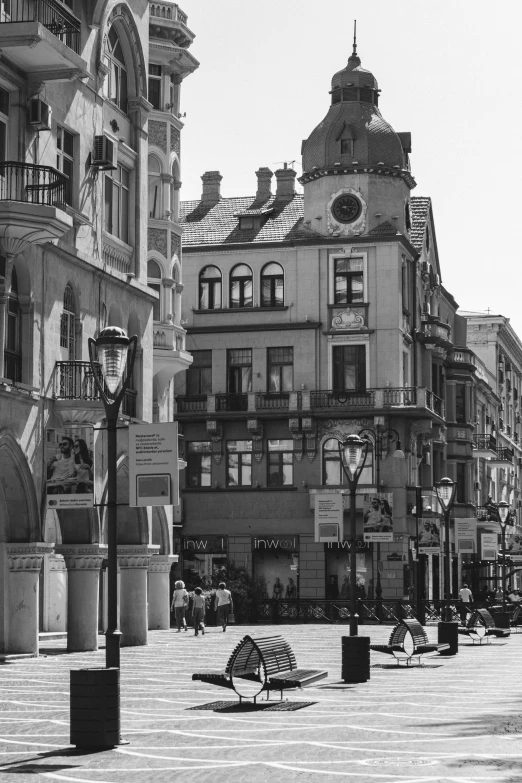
[[383, 229], [419, 208], [215, 224]]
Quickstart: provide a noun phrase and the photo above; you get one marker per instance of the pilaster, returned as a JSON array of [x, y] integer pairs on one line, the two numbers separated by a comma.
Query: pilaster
[[24, 563], [134, 561], [159, 591], [83, 562]]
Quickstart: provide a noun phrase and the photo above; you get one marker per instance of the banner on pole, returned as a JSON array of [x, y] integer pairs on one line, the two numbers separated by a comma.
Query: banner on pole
[[378, 517], [329, 517], [466, 536], [488, 546], [153, 464], [429, 536], [69, 456]]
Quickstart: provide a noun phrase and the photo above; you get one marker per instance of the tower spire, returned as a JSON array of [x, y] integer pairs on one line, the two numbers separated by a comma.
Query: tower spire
[[354, 51]]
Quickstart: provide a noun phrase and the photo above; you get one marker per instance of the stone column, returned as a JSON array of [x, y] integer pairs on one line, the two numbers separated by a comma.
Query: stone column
[[133, 561], [25, 561], [83, 563], [55, 594], [159, 591]]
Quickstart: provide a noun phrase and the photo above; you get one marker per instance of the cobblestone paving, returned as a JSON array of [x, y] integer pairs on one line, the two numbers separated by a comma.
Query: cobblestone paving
[[457, 719]]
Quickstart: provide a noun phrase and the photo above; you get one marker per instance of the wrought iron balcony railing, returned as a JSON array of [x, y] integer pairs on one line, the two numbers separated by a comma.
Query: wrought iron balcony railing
[[75, 381], [30, 183], [53, 15], [485, 442]]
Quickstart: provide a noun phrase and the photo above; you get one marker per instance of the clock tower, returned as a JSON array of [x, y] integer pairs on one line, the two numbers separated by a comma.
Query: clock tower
[[356, 171]]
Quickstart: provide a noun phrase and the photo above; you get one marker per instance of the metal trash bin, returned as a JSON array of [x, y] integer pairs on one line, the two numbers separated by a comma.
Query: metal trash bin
[[502, 619], [448, 633], [355, 658], [95, 708]]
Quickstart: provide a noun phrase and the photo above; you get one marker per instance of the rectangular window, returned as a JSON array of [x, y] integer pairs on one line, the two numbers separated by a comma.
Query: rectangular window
[[280, 369], [280, 463], [460, 403], [406, 286], [155, 85], [239, 463], [199, 374], [199, 467], [239, 375], [64, 159], [349, 368], [4, 117], [348, 280], [117, 203], [460, 496], [346, 146]]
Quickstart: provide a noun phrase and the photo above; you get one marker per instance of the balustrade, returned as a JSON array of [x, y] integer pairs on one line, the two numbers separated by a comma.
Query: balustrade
[[53, 15], [30, 183]]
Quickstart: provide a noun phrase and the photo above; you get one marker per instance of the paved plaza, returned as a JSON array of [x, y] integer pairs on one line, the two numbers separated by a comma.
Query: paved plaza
[[454, 719]]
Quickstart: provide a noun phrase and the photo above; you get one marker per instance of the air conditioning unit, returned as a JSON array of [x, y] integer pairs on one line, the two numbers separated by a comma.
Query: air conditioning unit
[[39, 115], [436, 280], [477, 485], [425, 267], [105, 153], [488, 419]]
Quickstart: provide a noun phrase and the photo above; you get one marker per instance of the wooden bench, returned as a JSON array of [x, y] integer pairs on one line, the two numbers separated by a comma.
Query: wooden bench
[[480, 626], [261, 664], [408, 640]]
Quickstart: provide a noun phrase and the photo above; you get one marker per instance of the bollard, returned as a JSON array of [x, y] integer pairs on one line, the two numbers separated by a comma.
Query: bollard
[[502, 619], [449, 634], [95, 708], [355, 658]]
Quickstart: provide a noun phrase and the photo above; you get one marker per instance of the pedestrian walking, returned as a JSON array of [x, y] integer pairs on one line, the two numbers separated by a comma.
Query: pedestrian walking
[[224, 605], [198, 611], [180, 600], [466, 597]]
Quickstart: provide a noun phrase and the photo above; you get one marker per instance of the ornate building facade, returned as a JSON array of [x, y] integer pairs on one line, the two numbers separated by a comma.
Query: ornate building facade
[[82, 86], [311, 316]]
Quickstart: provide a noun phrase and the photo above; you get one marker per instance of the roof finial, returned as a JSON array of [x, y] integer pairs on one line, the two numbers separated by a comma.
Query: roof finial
[[354, 52]]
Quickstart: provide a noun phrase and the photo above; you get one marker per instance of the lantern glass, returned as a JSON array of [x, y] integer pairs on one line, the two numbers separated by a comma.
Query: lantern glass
[[351, 453], [503, 512], [445, 492]]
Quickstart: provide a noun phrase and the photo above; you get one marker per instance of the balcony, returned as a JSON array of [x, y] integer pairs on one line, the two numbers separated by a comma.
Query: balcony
[[435, 334], [503, 458], [168, 22], [170, 356], [77, 399], [484, 446], [406, 399], [43, 39], [31, 198]]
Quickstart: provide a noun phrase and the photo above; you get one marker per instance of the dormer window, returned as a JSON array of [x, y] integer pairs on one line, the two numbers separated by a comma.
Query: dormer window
[[246, 222]]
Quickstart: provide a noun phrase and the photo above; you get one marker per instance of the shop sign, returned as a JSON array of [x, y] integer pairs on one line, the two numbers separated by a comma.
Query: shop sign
[[346, 545], [205, 544], [288, 543]]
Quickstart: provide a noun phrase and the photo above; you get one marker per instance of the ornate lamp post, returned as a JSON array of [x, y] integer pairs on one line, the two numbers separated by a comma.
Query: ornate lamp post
[[446, 489], [503, 511], [381, 439], [113, 350], [353, 451]]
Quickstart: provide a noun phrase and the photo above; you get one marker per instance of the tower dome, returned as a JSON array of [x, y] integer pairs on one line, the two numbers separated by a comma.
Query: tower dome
[[353, 131]]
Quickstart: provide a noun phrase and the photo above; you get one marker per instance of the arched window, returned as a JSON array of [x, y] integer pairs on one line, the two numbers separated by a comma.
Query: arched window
[[272, 286], [13, 353], [154, 281], [241, 286], [210, 288], [116, 89], [333, 473], [155, 210], [68, 324]]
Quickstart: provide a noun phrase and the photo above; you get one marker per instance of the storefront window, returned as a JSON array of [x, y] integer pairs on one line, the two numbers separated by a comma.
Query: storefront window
[[276, 567], [337, 572]]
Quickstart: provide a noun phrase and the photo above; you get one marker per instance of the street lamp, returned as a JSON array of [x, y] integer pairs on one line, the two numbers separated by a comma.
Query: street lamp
[[113, 350], [446, 489], [381, 439], [503, 516], [353, 451]]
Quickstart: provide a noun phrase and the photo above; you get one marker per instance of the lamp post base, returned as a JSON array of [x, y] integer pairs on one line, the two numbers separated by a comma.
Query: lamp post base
[[448, 633], [354, 625], [112, 648]]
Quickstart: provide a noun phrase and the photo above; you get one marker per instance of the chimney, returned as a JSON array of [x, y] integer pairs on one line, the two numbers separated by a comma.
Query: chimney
[[211, 187], [264, 181], [285, 181]]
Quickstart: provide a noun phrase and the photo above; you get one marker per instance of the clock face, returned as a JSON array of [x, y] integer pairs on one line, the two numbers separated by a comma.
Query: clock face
[[346, 208]]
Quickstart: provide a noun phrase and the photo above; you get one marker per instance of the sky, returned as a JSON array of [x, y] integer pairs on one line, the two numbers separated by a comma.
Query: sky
[[449, 71]]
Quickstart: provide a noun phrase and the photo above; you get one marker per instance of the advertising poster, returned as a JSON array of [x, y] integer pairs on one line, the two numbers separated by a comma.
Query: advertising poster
[[489, 546], [153, 464], [466, 535], [70, 468], [429, 536], [514, 546], [329, 517], [378, 517]]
